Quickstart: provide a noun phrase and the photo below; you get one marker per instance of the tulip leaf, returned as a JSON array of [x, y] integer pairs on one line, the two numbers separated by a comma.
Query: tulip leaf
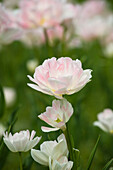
[[2, 102], [76, 154], [107, 165], [92, 154]]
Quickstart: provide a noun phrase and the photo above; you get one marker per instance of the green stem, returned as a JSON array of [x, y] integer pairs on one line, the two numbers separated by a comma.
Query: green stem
[[20, 157], [69, 144], [46, 41]]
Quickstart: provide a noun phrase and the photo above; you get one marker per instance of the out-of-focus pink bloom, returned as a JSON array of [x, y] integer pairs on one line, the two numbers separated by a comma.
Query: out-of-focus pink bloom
[[86, 29], [92, 14], [92, 8], [59, 77], [44, 13], [55, 33], [33, 37], [9, 30], [57, 115], [105, 121], [22, 141]]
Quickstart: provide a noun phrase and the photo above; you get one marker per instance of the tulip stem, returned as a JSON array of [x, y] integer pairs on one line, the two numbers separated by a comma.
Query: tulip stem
[[20, 156], [69, 144], [46, 40]]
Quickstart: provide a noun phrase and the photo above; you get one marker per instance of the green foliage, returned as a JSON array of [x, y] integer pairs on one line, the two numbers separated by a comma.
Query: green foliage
[[92, 155], [2, 102]]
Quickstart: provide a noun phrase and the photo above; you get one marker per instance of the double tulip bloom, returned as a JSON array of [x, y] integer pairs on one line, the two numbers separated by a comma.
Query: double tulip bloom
[[53, 154], [58, 77], [21, 142], [57, 115], [105, 121]]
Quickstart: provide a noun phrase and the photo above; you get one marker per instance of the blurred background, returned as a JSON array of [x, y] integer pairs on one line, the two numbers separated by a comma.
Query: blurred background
[[86, 35]]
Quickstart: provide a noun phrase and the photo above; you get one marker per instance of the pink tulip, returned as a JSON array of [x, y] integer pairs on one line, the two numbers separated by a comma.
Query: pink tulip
[[44, 13], [57, 115], [59, 77], [9, 31]]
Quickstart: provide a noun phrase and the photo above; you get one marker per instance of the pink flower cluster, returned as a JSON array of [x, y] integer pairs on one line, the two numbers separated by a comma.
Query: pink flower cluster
[[31, 17], [28, 21]]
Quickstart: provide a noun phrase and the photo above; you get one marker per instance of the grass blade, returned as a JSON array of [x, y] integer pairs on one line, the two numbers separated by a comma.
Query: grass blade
[[107, 165], [92, 154], [2, 102]]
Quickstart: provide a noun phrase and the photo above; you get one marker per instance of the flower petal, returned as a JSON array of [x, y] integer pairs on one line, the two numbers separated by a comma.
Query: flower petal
[[40, 157], [47, 129]]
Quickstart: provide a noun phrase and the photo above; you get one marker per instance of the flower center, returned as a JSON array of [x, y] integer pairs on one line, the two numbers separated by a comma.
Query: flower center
[[42, 21], [58, 120]]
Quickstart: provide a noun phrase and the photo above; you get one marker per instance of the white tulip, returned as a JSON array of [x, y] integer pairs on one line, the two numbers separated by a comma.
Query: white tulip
[[21, 142], [61, 164], [105, 121], [50, 150]]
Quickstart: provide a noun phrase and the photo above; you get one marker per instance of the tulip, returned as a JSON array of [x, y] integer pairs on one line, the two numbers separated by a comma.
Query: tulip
[[21, 142], [57, 115], [50, 150], [105, 121], [59, 77], [61, 164]]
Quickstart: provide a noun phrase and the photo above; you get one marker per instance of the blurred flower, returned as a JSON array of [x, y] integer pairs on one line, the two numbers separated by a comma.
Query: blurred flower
[[10, 95], [21, 142], [2, 129], [105, 121], [59, 77], [61, 164], [111, 168], [9, 31], [57, 115], [44, 13], [108, 50], [32, 64], [50, 150], [55, 33]]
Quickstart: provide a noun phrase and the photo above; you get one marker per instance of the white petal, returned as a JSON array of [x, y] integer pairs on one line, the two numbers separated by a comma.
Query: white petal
[[32, 143], [40, 157], [59, 150], [9, 145], [36, 87], [47, 147], [100, 125]]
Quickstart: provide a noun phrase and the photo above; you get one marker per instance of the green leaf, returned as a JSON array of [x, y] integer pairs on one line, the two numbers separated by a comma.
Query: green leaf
[[107, 165], [76, 154], [2, 102], [92, 154]]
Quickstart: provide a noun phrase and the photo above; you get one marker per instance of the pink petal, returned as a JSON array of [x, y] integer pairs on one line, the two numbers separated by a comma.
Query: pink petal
[[47, 129]]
